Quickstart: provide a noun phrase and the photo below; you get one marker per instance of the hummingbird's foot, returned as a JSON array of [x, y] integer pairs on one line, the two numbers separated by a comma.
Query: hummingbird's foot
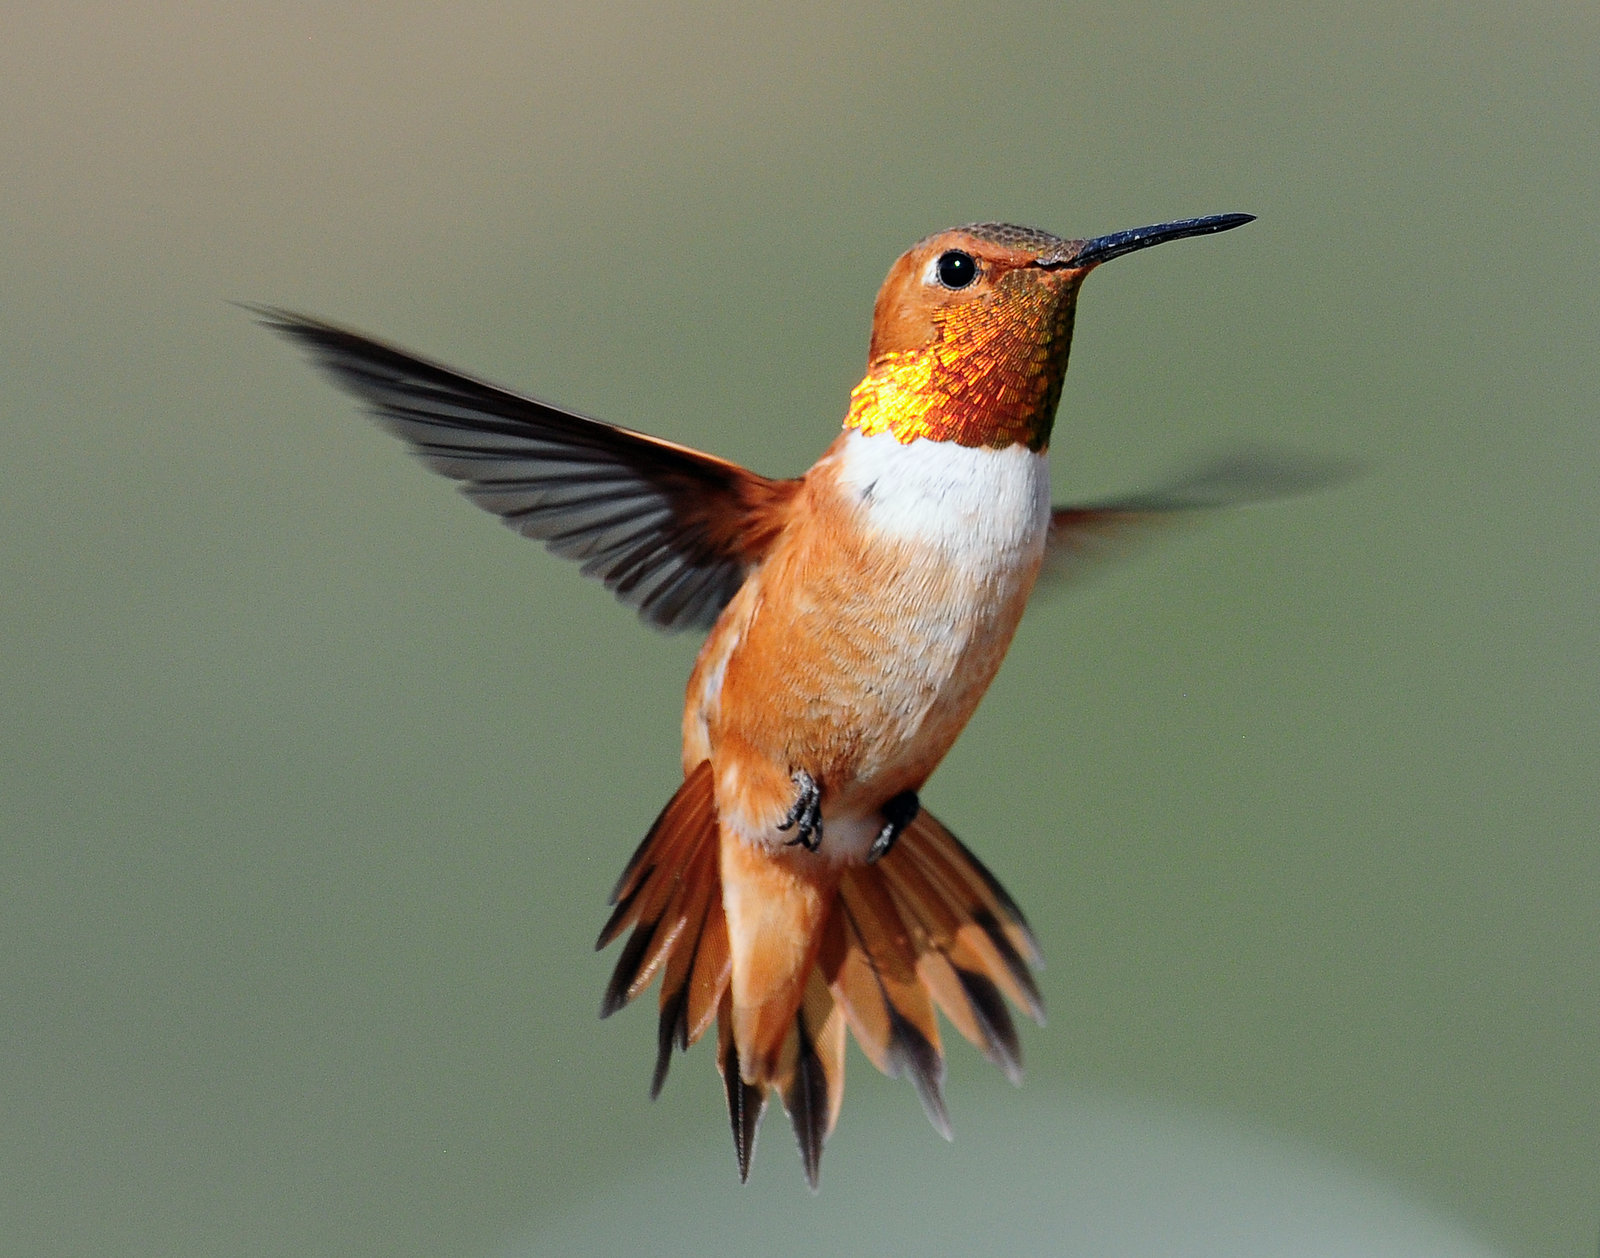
[[898, 813], [805, 816]]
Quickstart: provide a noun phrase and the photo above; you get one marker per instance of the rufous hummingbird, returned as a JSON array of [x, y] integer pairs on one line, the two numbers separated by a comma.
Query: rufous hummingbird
[[794, 889]]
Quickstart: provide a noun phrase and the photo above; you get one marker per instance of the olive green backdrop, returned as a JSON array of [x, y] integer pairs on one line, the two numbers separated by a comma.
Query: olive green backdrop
[[313, 778]]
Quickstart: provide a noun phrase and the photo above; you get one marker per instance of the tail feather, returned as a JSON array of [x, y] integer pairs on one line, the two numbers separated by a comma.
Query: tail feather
[[671, 1029], [656, 934], [812, 1083], [999, 1041], [983, 933], [951, 932], [670, 895], [849, 975], [809, 1080], [746, 1101], [805, 1096], [941, 848], [926, 928], [712, 970], [974, 1005], [777, 904], [693, 985], [885, 998], [699, 933], [681, 829]]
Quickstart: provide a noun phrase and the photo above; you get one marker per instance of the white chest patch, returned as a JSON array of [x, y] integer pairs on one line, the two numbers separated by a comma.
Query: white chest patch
[[981, 507]]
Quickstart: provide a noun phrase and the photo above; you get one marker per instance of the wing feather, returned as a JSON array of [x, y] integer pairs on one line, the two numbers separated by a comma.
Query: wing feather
[[1083, 534], [671, 531]]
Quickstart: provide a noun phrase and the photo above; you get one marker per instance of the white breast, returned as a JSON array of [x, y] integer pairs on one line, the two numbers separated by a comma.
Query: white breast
[[983, 508]]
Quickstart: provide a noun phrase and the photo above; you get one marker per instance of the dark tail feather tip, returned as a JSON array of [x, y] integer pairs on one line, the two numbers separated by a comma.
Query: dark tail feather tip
[[745, 1105], [1007, 904], [1014, 963], [807, 1102], [672, 1027], [615, 923], [988, 1006], [633, 954], [914, 1055]]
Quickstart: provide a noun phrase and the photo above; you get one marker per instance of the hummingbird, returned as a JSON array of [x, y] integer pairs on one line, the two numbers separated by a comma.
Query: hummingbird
[[794, 892]]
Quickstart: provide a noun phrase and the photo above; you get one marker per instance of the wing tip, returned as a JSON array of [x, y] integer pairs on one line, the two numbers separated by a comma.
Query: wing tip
[[289, 323]]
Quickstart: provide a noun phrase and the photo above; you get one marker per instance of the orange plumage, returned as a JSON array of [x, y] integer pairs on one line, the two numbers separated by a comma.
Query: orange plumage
[[793, 890]]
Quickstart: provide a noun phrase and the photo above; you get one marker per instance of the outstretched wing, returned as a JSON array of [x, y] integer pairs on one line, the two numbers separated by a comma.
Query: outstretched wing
[[1083, 534], [671, 531]]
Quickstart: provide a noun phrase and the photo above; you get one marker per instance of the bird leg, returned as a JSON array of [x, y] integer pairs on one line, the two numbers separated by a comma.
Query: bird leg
[[805, 815], [898, 813]]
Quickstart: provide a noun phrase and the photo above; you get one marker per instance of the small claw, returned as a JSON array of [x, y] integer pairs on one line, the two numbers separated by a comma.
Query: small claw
[[805, 815], [898, 813]]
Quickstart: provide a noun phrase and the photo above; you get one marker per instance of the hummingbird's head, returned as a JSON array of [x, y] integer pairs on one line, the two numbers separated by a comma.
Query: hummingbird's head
[[972, 328]]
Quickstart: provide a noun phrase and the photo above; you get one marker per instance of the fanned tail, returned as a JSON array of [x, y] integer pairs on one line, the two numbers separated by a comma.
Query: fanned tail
[[875, 949]]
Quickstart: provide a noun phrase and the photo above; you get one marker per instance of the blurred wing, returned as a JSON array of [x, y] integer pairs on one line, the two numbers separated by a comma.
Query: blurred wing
[[671, 531], [1081, 535]]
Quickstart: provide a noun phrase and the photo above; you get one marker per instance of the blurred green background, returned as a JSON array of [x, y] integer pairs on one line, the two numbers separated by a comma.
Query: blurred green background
[[314, 778]]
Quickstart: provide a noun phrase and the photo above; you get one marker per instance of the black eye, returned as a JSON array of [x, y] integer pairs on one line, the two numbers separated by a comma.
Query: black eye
[[956, 269]]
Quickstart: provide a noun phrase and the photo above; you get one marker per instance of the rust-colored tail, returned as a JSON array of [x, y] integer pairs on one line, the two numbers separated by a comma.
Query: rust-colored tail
[[818, 947], [671, 894]]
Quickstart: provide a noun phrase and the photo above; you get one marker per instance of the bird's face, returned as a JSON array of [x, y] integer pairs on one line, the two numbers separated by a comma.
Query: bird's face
[[970, 337], [972, 329], [1010, 281]]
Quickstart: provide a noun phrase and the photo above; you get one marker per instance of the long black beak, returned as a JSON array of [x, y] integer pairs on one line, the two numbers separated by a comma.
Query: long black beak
[[1077, 254]]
